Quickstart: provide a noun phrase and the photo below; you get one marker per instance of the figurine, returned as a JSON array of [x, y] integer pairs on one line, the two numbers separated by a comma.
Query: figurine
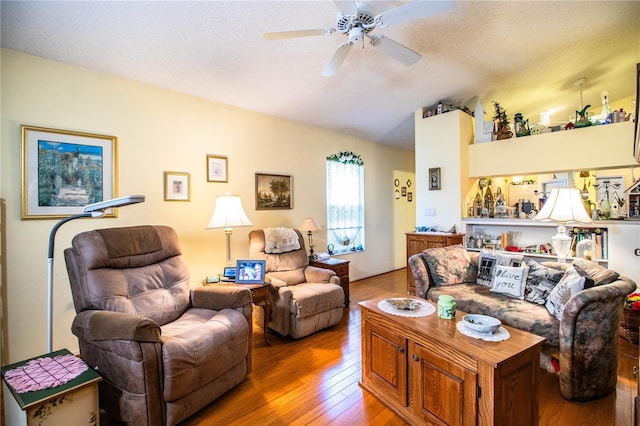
[[582, 119], [521, 125]]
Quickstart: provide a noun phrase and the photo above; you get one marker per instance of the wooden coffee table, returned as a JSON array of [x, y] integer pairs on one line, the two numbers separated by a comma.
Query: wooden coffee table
[[426, 371]]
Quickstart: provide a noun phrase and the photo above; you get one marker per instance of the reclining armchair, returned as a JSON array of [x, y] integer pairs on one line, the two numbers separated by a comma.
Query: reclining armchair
[[304, 298], [165, 350]]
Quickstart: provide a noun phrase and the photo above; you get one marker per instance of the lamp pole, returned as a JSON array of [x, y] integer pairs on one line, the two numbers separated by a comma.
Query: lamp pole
[[94, 210]]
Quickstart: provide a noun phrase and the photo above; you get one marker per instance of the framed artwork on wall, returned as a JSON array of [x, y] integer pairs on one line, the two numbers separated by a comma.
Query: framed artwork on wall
[[216, 168], [63, 171], [177, 186], [434, 178], [636, 142], [274, 192]]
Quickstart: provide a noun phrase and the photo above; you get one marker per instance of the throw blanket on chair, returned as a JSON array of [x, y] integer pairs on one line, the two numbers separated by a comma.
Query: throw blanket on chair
[[280, 240]]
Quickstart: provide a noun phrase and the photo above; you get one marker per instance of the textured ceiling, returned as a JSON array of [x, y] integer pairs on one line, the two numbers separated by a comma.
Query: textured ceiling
[[525, 55]]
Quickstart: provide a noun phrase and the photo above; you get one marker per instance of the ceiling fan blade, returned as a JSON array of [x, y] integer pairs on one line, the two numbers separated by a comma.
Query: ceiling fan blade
[[415, 10], [297, 33], [337, 59], [347, 7], [395, 50]]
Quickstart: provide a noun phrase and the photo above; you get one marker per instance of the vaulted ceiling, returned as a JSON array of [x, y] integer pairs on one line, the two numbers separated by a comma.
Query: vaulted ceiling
[[526, 55]]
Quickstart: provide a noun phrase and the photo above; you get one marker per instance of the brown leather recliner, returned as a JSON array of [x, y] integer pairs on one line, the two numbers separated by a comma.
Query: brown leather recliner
[[304, 298], [164, 349]]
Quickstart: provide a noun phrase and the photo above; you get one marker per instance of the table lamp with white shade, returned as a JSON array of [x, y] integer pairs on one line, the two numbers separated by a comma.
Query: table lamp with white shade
[[228, 214], [563, 206], [310, 225]]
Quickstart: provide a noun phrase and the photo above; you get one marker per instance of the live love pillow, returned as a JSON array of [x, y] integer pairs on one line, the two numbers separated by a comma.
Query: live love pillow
[[510, 281], [488, 261]]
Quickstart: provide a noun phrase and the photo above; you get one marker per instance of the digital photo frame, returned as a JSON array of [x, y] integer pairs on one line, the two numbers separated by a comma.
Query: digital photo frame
[[250, 271]]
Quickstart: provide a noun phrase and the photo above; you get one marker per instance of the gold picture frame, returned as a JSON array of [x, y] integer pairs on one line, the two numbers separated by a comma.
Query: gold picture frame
[[177, 186], [217, 168], [64, 170], [274, 192]]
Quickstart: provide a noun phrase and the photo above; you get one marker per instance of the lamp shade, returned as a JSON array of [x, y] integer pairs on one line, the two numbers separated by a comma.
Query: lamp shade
[[309, 225], [564, 205], [228, 213]]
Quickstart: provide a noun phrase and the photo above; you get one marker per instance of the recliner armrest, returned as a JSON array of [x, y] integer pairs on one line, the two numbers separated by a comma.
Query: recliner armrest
[[108, 325], [313, 274], [220, 297]]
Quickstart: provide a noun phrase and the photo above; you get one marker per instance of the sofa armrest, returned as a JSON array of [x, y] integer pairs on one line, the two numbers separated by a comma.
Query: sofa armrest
[[313, 274], [420, 273], [220, 296], [589, 340]]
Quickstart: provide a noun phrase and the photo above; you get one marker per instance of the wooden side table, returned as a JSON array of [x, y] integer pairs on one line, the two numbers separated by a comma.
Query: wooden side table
[[75, 402], [341, 268], [259, 297]]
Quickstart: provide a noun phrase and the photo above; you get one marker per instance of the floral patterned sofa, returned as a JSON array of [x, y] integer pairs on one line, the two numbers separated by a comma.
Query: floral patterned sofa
[[576, 307]]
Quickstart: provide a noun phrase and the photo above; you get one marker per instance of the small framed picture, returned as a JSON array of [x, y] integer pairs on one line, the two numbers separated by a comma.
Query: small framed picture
[[404, 191], [274, 192], [434, 178], [410, 196], [177, 186], [250, 271], [216, 168]]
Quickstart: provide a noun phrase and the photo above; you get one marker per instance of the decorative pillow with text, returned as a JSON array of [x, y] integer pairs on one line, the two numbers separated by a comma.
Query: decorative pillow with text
[[509, 280], [488, 261]]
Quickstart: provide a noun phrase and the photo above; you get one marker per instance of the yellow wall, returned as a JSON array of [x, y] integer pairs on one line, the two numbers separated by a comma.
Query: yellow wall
[[160, 130]]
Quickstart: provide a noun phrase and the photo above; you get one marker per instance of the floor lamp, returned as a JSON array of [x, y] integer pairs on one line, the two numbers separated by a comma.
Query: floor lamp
[[564, 205], [91, 210], [228, 214]]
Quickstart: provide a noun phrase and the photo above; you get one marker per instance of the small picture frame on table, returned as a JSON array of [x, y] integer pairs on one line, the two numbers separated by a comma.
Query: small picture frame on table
[[177, 186], [250, 271]]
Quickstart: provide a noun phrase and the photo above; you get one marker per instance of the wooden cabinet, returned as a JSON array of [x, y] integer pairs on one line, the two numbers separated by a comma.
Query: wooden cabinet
[[419, 241], [428, 372], [341, 268]]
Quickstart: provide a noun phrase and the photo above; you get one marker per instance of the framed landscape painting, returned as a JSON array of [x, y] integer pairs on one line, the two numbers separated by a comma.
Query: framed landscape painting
[[273, 192], [63, 171]]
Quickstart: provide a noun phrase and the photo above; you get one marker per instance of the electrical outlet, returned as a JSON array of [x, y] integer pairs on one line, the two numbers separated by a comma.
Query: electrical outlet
[[429, 212]]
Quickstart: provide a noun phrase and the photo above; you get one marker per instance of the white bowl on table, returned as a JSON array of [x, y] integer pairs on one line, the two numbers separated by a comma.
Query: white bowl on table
[[481, 323]]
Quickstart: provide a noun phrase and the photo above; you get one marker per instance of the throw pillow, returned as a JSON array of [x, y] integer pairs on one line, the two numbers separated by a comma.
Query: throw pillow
[[599, 273], [488, 261], [510, 280], [449, 265], [573, 281], [540, 281]]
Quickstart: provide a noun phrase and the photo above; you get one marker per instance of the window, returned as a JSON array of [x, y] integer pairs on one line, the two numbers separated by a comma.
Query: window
[[345, 202]]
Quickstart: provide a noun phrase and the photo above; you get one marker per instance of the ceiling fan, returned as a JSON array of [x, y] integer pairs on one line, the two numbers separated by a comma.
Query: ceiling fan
[[358, 19]]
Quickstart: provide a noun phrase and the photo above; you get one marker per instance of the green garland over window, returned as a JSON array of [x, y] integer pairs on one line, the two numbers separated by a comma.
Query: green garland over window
[[346, 157]]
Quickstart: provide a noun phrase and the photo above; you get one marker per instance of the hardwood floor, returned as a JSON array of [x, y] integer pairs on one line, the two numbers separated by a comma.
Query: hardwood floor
[[314, 381]]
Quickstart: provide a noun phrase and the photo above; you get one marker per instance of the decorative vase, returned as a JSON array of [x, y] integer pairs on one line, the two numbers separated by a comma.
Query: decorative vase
[[446, 307]]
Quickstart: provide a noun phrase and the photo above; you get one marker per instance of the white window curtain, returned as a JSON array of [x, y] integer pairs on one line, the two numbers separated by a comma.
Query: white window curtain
[[345, 206]]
